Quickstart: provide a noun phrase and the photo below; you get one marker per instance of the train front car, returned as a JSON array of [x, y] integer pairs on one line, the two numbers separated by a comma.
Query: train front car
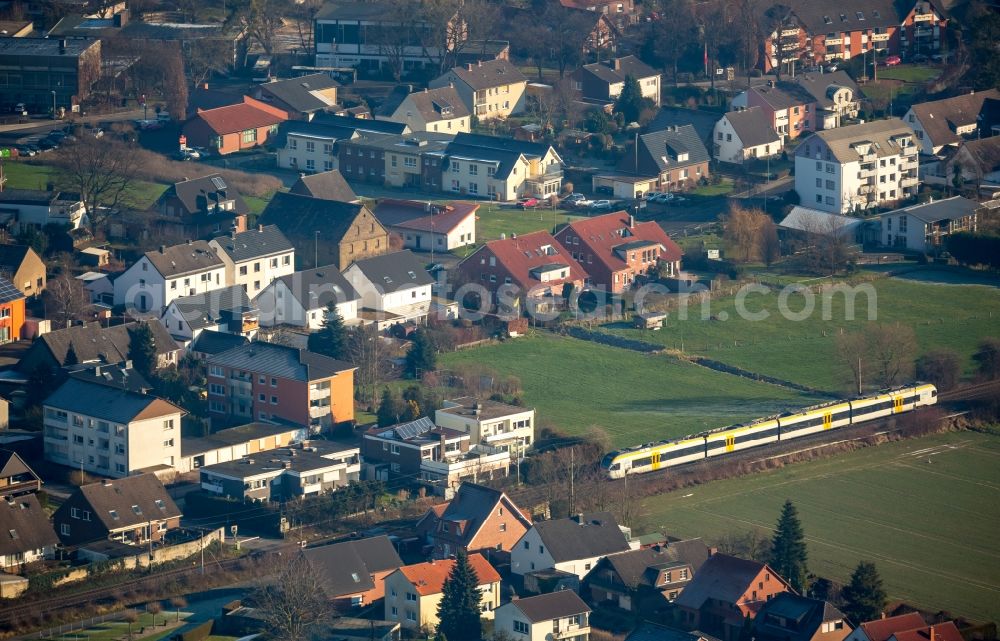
[[612, 466], [926, 394]]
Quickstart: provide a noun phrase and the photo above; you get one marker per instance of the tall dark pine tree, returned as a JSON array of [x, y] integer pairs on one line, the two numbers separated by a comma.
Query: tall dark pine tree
[[630, 101], [142, 349], [422, 356], [864, 597], [71, 357], [331, 340], [788, 548], [390, 409], [459, 609]]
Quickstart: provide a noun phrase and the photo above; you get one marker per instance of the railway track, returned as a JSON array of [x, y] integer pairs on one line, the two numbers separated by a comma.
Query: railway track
[[974, 392]]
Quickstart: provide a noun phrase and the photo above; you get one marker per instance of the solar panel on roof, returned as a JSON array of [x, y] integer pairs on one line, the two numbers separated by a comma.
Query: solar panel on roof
[[8, 292], [414, 428], [218, 182]]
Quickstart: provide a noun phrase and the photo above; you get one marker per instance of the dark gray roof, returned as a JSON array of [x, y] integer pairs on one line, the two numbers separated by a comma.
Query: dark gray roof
[[108, 403], [818, 85], [582, 537], [784, 95], [506, 160], [24, 526], [120, 495], [314, 288], [396, 271], [752, 126], [353, 10], [180, 31], [529, 149], [35, 196], [702, 121], [822, 17], [360, 124], [443, 103], [722, 577], [11, 464], [207, 308], [11, 256], [210, 341], [943, 209], [301, 216], [94, 343], [632, 566], [617, 69], [546, 607], [187, 258], [327, 185], [272, 462], [113, 376], [297, 92], [35, 47], [483, 409], [266, 240], [346, 568], [472, 506], [790, 617], [278, 360], [658, 151], [653, 632], [489, 73], [197, 193]]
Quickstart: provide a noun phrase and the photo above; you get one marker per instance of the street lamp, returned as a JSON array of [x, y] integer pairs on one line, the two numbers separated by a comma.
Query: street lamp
[[316, 251], [53, 104]]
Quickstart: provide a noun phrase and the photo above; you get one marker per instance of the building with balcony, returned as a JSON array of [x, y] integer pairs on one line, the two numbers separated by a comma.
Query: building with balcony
[[939, 124], [269, 382], [235, 443], [500, 168], [439, 110], [226, 310], [411, 160], [313, 146], [573, 545], [857, 167], [202, 207], [489, 88], [556, 616], [254, 259], [394, 288], [282, 474], [36, 208], [12, 312], [925, 228], [506, 427], [16, 478], [110, 431], [787, 108], [413, 592], [162, 275]]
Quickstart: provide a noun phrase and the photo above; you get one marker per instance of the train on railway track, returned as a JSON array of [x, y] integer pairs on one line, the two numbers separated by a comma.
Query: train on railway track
[[811, 420]]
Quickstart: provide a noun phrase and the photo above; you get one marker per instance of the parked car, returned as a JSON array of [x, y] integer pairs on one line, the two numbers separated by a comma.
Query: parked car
[[651, 196], [572, 198], [604, 189], [20, 109], [527, 203], [919, 58], [25, 150], [892, 61], [676, 200], [46, 144], [580, 204], [600, 205]]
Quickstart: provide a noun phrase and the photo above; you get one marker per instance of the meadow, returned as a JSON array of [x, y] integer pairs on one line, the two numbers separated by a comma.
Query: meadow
[[494, 220], [635, 398], [924, 510], [944, 316]]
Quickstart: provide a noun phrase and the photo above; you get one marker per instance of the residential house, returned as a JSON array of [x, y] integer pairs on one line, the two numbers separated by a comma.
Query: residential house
[[234, 128], [946, 631], [725, 591], [604, 81], [132, 510], [211, 342], [803, 225], [789, 109], [925, 227], [280, 475], [477, 519], [312, 146], [300, 98], [350, 33], [325, 232], [976, 163], [22, 266], [437, 110], [254, 259], [413, 160], [950, 121], [505, 427], [646, 579], [617, 252], [883, 629], [573, 545], [857, 167], [489, 89], [501, 168], [790, 617], [30, 535], [622, 14], [836, 97], [394, 288], [235, 443], [413, 592], [37, 67], [702, 121], [162, 275], [227, 309], [438, 455], [36, 208], [12, 312], [16, 478], [546, 617], [110, 431], [120, 376], [744, 135], [267, 381], [301, 299], [93, 343], [200, 207], [431, 227], [16, 28], [534, 267], [352, 573], [648, 631], [326, 185], [674, 158]]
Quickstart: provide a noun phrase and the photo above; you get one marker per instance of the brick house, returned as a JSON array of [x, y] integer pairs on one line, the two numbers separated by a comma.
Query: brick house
[[202, 207], [11, 311], [788, 108], [883, 629], [647, 578], [675, 157], [352, 573], [234, 127], [616, 250], [477, 519], [725, 591], [132, 510]]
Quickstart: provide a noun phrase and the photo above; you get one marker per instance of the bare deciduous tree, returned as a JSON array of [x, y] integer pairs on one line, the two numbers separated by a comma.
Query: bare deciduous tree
[[746, 233], [878, 354], [262, 20], [65, 299], [101, 171], [294, 603], [370, 354]]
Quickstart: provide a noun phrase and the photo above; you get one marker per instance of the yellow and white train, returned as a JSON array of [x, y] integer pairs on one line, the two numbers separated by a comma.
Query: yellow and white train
[[656, 456]]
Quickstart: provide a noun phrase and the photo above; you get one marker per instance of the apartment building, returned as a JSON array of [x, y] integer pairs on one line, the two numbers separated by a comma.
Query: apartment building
[[489, 88], [254, 259], [546, 617], [501, 168], [506, 427], [162, 275]]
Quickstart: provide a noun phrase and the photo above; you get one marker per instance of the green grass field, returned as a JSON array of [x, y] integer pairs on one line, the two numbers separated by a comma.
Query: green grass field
[[924, 510], [635, 398], [21, 175], [909, 73], [954, 317], [495, 220], [118, 630]]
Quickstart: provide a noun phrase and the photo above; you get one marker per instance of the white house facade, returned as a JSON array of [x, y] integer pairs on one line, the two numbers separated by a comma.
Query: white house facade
[[159, 277]]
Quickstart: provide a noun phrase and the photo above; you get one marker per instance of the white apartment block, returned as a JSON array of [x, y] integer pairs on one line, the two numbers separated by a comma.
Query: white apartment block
[[308, 151], [256, 258], [161, 276], [506, 427], [857, 167]]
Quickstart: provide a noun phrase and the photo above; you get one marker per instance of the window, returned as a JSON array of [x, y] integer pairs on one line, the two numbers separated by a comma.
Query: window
[[410, 596], [310, 146], [473, 170], [249, 135], [503, 527], [455, 167], [74, 512], [520, 627], [114, 514], [168, 443], [64, 529], [527, 546], [168, 425], [411, 615], [274, 400], [541, 549], [819, 183], [137, 510]]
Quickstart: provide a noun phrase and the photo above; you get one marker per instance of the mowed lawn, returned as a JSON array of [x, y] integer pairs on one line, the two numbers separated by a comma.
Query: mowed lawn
[[494, 220], [924, 510], [954, 317], [21, 175], [635, 398]]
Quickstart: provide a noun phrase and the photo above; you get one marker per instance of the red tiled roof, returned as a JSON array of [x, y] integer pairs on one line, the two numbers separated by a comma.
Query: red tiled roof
[[428, 578], [448, 218], [946, 631], [519, 255], [240, 117], [603, 233], [882, 629]]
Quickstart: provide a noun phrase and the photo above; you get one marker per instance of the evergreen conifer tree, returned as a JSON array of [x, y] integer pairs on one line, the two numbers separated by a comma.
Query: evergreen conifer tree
[[864, 597], [142, 350], [390, 409], [71, 357], [422, 356], [459, 609], [331, 339], [630, 101], [788, 548]]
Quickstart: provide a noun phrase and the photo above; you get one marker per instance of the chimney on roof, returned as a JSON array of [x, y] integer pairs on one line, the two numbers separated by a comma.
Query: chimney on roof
[[932, 632], [770, 83], [97, 371], [618, 64], [479, 62], [631, 221], [469, 66], [578, 518], [106, 482], [163, 249], [189, 241], [62, 46], [204, 86], [127, 365], [260, 228]]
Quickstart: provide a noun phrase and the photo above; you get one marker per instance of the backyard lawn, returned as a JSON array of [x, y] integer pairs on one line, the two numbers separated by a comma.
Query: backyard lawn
[[21, 175], [924, 510], [635, 398], [953, 317], [495, 220]]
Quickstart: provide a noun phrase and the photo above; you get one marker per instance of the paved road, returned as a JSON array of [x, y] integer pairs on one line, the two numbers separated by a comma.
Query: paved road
[[18, 133]]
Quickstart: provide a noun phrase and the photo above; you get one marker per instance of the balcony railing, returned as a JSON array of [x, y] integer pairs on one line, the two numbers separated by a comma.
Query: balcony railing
[[923, 17], [215, 488], [880, 37], [18, 488], [909, 181], [786, 33], [570, 631]]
